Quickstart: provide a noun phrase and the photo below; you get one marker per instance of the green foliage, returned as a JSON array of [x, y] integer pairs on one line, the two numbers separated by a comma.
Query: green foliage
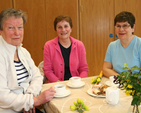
[[131, 83]]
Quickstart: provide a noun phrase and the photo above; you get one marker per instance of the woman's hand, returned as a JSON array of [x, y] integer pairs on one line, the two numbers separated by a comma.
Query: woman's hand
[[44, 97], [30, 111], [47, 95]]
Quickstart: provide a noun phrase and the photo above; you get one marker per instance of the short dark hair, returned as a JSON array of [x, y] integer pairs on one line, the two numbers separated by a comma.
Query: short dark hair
[[125, 16], [7, 13], [62, 17]]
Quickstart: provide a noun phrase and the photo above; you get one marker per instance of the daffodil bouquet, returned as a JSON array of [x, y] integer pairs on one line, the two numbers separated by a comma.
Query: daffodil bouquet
[[97, 79], [130, 81]]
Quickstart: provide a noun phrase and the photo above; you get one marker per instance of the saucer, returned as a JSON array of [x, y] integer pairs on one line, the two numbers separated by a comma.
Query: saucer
[[76, 86], [68, 92], [109, 84]]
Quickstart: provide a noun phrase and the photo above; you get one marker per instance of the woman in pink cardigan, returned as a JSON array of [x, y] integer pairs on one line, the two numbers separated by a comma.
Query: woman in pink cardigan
[[64, 56]]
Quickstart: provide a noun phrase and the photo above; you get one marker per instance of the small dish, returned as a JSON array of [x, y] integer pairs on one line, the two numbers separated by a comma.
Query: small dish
[[68, 92], [109, 84], [76, 86], [89, 91]]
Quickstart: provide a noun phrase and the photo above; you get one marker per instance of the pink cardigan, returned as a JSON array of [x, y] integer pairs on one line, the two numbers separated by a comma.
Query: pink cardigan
[[54, 62]]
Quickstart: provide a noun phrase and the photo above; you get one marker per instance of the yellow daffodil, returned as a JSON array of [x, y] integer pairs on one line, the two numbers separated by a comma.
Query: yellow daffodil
[[92, 80], [101, 74], [133, 92], [130, 86], [128, 92], [98, 79]]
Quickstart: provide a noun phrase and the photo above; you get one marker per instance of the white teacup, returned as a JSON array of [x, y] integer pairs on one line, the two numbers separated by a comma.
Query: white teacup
[[75, 80], [112, 95], [111, 80], [60, 89]]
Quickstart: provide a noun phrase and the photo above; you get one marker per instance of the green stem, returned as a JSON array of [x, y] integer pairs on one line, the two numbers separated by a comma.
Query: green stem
[[137, 109], [134, 108], [80, 110]]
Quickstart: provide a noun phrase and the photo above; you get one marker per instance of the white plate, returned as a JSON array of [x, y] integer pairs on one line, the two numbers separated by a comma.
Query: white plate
[[109, 84], [68, 92], [89, 91], [76, 86]]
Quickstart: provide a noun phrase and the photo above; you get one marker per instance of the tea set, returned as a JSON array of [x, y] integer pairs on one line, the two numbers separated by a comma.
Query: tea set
[[112, 92], [74, 82]]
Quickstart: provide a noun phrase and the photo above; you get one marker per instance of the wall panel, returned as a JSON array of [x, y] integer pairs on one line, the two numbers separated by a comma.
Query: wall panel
[[35, 27], [133, 6], [96, 23], [4, 4], [55, 8]]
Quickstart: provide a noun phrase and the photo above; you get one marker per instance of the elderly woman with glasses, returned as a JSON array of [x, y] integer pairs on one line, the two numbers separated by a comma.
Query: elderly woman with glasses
[[126, 49]]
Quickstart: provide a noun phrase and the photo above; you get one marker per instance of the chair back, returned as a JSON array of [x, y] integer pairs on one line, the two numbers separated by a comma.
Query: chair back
[[40, 66]]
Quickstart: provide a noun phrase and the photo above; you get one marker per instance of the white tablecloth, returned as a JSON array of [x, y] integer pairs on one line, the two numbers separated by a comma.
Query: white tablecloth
[[96, 104]]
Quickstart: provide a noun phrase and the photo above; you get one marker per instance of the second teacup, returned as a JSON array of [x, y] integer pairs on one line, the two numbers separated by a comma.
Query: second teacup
[[60, 89], [75, 80]]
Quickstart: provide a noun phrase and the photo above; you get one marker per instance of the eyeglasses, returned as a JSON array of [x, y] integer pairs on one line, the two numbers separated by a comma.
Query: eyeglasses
[[124, 26]]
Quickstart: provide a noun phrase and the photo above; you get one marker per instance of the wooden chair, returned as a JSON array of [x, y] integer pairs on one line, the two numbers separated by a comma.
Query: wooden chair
[[40, 66]]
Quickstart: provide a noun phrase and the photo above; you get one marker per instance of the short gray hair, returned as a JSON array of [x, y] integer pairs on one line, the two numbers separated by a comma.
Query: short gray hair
[[7, 13]]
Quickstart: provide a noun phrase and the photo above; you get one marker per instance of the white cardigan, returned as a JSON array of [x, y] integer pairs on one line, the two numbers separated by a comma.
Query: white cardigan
[[14, 98]]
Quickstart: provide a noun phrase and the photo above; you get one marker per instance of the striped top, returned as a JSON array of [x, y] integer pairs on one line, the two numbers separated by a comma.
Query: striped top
[[21, 71]]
